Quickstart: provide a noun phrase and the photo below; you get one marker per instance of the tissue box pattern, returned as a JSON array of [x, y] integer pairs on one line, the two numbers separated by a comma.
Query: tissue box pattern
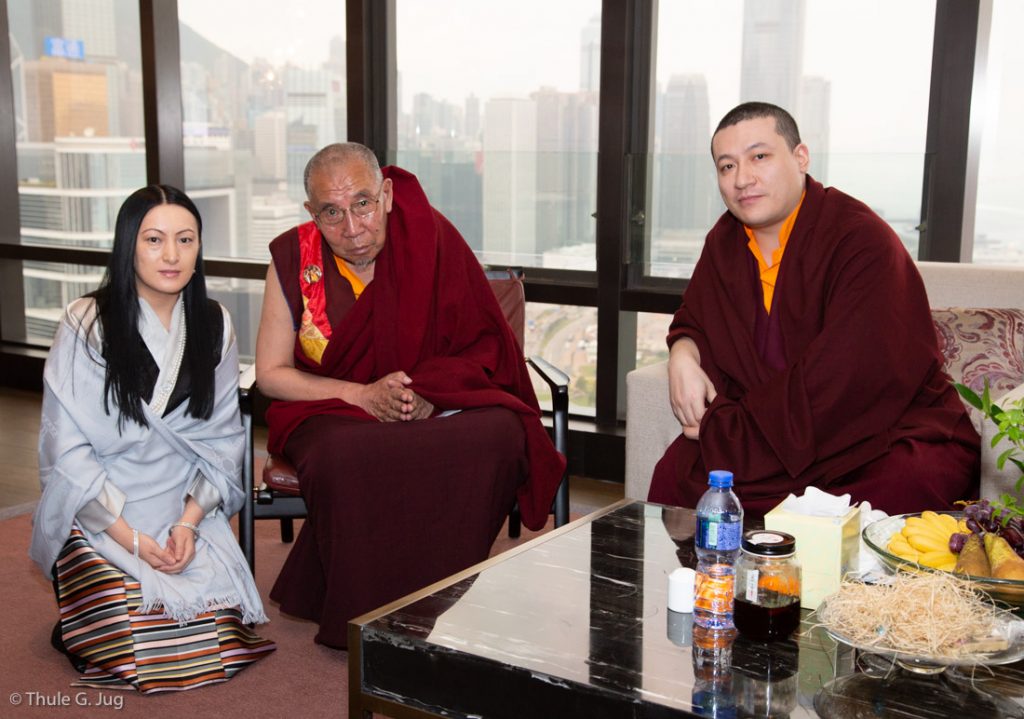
[[826, 548]]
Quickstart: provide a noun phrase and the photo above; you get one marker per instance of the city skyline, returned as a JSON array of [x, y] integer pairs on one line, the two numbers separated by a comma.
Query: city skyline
[[210, 126], [516, 174], [512, 161]]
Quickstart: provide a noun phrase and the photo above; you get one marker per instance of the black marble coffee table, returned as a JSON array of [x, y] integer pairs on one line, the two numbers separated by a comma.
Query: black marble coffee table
[[575, 624]]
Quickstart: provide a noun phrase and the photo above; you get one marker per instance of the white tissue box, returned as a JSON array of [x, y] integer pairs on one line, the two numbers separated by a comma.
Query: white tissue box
[[826, 548]]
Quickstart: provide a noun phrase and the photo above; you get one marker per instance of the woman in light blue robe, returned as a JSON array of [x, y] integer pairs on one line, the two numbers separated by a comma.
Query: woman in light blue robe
[[140, 453]]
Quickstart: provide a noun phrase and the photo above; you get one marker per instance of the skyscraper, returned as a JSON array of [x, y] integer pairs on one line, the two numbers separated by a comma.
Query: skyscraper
[[773, 46], [686, 189], [566, 147], [65, 98], [472, 117], [93, 22], [309, 108], [773, 51], [510, 181], [336, 67], [269, 148], [815, 102], [590, 55]]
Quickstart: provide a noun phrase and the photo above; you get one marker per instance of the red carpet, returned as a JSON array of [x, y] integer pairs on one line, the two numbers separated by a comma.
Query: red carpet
[[301, 679]]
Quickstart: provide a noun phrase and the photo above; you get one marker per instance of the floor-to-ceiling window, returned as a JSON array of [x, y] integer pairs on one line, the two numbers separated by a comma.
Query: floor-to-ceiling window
[[862, 114], [999, 213], [497, 115], [77, 105], [496, 108], [258, 99]]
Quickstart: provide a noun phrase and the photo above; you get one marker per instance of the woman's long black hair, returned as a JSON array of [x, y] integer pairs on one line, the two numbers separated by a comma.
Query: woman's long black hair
[[117, 309]]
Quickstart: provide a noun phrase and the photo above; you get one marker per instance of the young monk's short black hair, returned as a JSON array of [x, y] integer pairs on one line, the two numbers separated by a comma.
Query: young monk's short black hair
[[785, 125]]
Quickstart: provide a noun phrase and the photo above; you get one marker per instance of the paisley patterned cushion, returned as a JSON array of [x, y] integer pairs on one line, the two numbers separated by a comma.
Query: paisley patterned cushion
[[982, 344]]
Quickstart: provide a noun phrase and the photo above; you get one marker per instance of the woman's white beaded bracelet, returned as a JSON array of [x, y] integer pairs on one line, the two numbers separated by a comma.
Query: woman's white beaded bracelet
[[189, 525], [135, 543]]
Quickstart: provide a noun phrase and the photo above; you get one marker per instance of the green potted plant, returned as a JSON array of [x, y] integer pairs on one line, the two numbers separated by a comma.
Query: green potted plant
[[1010, 422]]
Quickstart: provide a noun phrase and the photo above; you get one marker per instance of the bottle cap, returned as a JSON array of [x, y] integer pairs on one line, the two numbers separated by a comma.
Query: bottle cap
[[768, 543], [680, 589], [720, 478]]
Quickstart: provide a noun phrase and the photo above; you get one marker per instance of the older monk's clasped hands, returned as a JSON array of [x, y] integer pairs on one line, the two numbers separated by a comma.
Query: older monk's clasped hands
[[389, 399]]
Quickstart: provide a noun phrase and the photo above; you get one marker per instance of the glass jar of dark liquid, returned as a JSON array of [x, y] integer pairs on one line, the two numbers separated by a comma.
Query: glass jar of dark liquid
[[767, 586]]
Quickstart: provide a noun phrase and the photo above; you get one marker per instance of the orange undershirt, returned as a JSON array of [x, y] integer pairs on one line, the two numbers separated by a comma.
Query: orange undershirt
[[357, 284], [769, 273]]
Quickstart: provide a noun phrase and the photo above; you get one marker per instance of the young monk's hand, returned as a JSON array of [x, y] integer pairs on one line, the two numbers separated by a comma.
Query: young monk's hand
[[690, 389]]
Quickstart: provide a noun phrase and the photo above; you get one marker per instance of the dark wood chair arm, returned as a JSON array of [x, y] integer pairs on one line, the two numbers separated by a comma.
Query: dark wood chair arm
[[558, 382], [246, 389]]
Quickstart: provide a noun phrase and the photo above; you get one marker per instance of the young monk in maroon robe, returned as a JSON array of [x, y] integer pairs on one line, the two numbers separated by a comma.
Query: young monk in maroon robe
[[804, 351], [377, 318]]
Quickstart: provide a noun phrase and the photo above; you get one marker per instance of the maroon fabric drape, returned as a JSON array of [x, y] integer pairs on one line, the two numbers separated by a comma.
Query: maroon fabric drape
[[846, 365], [430, 313], [394, 507]]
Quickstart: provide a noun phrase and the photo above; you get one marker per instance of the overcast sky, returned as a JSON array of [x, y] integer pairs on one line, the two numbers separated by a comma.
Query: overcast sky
[[471, 46]]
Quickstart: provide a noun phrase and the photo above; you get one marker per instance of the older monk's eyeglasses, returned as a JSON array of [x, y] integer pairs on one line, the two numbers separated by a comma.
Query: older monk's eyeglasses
[[332, 215]]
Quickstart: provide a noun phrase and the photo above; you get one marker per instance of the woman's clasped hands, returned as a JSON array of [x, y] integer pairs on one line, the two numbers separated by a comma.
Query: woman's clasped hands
[[174, 556]]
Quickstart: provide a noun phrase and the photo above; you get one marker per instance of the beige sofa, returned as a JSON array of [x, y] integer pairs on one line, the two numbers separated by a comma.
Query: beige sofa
[[981, 336]]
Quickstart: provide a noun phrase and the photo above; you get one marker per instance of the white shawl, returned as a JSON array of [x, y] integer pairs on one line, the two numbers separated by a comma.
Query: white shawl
[[80, 450]]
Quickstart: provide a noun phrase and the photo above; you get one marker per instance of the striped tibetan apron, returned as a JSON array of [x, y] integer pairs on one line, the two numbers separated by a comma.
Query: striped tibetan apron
[[101, 627]]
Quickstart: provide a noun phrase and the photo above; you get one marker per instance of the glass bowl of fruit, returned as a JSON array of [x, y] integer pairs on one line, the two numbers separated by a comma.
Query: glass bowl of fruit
[[975, 543]]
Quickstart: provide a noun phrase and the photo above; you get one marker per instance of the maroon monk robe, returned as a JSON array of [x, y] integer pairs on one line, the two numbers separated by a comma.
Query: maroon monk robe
[[394, 507], [841, 386], [431, 313]]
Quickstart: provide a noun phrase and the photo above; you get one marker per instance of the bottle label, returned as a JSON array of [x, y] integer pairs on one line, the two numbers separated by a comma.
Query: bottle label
[[716, 533], [713, 597]]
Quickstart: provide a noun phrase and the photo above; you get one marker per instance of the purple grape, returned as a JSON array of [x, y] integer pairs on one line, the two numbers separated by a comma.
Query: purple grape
[[987, 521], [957, 541], [972, 524], [983, 512]]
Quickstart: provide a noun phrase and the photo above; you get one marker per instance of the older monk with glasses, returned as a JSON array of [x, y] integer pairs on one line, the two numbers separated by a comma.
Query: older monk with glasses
[[400, 395]]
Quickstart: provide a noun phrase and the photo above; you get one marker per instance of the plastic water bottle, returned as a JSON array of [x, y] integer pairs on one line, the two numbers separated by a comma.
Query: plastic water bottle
[[719, 530]]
